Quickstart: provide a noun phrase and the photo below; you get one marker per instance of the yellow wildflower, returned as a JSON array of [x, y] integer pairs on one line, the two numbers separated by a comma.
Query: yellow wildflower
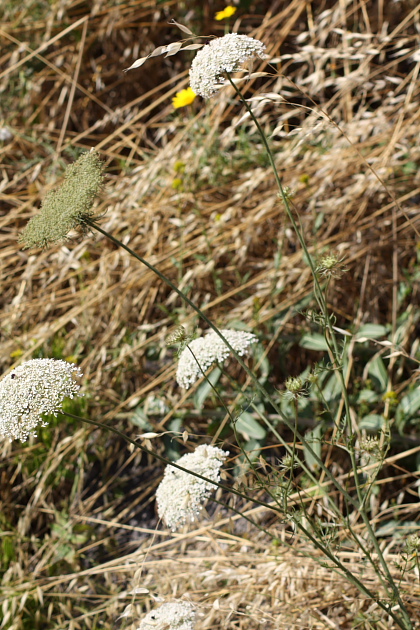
[[183, 98], [226, 13]]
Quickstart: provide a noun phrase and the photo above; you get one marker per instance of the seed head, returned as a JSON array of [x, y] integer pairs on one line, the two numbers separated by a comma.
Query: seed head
[[68, 206], [35, 388], [288, 462], [176, 336], [177, 615], [180, 495], [331, 266], [206, 351], [221, 55], [370, 445], [412, 544], [295, 388]]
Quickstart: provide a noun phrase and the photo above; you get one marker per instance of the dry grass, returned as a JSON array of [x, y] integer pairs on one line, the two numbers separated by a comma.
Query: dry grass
[[348, 103]]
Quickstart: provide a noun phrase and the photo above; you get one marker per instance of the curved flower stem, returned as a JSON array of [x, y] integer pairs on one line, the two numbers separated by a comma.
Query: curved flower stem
[[266, 394], [254, 379], [336, 356], [162, 459]]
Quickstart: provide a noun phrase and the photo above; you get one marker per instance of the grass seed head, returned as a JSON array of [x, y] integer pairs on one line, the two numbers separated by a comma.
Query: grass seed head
[[68, 206]]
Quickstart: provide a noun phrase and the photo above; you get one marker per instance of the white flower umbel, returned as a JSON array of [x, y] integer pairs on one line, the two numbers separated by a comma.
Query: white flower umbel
[[176, 615], [34, 388], [221, 55], [207, 350], [180, 496]]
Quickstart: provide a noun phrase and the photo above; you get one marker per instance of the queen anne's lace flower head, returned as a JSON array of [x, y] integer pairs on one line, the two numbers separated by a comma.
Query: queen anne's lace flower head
[[221, 55], [32, 389], [176, 615], [180, 495], [207, 350]]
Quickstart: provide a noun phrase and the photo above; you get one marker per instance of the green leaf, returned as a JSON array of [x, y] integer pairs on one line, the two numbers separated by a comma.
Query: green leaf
[[410, 403], [388, 529], [205, 389], [139, 419], [377, 371], [408, 407], [313, 438], [332, 388], [314, 342], [253, 449], [318, 221], [249, 427], [367, 396], [372, 331], [372, 422], [172, 447]]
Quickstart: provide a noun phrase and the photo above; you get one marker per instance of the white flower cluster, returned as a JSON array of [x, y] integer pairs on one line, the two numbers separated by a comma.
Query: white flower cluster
[[176, 615], [35, 387], [180, 495], [207, 350], [221, 55]]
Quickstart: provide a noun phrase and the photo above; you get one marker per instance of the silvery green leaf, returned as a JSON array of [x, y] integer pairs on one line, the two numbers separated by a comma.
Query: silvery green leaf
[[372, 422], [313, 438], [377, 371], [249, 427], [314, 342], [205, 389], [371, 331]]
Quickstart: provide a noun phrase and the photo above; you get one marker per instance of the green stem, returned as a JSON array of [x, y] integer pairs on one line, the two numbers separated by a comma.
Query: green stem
[[336, 353], [317, 544], [166, 461], [254, 379]]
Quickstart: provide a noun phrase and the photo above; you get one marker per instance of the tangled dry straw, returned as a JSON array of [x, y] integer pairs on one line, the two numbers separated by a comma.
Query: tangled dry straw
[[191, 194]]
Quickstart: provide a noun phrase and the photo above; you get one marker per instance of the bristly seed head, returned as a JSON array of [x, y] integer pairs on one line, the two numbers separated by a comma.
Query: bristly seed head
[[412, 544], [176, 336], [34, 388], [330, 266], [370, 445], [222, 55], [295, 388], [68, 206]]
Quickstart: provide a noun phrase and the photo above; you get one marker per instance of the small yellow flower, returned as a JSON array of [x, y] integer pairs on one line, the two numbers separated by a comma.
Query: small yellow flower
[[226, 13], [183, 98]]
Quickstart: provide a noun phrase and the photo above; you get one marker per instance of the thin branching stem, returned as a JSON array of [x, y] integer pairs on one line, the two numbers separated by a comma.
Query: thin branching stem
[[337, 360]]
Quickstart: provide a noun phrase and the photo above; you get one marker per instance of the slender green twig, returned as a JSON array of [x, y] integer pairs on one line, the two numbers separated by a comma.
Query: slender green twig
[[336, 355], [258, 385], [342, 568]]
